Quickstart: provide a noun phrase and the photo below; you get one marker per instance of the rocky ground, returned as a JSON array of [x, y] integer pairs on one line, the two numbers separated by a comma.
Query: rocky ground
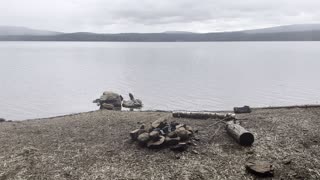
[[97, 145]]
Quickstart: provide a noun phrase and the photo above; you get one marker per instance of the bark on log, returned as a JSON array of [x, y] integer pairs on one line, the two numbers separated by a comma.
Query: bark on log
[[241, 135], [203, 115]]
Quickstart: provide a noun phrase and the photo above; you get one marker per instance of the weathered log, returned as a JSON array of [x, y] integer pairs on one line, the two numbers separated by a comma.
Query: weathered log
[[244, 109], [241, 135], [203, 115]]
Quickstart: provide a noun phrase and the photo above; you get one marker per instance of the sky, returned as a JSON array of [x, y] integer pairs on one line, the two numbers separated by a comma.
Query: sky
[[117, 16]]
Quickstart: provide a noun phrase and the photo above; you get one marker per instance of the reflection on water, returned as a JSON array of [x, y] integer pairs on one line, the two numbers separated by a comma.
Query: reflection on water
[[41, 79]]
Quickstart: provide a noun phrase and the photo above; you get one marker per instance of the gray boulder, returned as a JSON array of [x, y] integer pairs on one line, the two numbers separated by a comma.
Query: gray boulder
[[260, 168], [109, 100], [143, 138]]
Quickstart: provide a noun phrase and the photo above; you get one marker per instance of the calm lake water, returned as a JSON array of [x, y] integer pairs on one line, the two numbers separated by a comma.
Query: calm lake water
[[42, 79]]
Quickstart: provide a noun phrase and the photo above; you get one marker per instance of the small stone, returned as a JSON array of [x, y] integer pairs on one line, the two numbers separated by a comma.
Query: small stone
[[174, 124], [195, 152], [260, 168], [26, 151], [149, 129], [189, 128], [142, 126], [172, 134], [180, 147], [183, 134], [144, 138], [196, 139], [287, 161], [107, 106], [250, 152], [191, 143], [135, 133], [172, 141], [156, 144], [189, 133], [154, 135], [160, 123], [180, 126]]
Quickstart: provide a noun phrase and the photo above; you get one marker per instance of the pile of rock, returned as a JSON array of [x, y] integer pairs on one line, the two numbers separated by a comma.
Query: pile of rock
[[114, 101], [109, 100], [164, 134]]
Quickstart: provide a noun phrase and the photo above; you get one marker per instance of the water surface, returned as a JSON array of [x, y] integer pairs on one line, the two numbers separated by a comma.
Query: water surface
[[42, 79]]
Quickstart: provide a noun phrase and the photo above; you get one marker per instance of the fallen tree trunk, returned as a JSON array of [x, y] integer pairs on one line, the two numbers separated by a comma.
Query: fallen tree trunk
[[203, 115], [241, 135], [244, 109]]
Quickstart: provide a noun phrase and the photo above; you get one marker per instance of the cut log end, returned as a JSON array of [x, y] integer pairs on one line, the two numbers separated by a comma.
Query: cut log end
[[246, 139], [241, 135]]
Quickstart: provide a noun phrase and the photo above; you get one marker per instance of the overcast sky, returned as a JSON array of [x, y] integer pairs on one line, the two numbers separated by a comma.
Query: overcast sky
[[111, 16]]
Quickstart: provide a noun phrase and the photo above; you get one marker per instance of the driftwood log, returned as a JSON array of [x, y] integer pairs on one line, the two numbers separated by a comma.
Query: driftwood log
[[244, 109], [241, 135], [203, 115]]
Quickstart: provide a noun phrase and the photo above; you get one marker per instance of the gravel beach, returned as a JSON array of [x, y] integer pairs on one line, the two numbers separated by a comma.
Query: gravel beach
[[97, 145]]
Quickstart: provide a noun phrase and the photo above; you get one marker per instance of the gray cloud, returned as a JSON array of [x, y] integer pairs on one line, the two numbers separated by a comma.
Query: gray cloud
[[111, 16]]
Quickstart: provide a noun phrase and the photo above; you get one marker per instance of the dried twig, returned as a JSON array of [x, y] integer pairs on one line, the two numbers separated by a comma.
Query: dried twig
[[215, 133], [217, 122]]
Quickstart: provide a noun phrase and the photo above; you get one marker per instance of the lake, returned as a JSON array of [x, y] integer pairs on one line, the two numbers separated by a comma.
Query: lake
[[43, 79]]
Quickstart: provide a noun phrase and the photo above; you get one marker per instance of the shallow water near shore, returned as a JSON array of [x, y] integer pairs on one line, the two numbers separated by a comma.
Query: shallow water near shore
[[42, 79]]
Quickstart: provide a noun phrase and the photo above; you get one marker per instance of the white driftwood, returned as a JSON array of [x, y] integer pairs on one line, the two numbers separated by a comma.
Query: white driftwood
[[203, 115]]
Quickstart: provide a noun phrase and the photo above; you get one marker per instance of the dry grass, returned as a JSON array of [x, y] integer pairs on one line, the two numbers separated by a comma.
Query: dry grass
[[96, 145]]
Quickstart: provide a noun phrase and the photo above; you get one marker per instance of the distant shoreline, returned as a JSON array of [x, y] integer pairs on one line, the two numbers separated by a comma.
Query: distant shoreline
[[295, 32]]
